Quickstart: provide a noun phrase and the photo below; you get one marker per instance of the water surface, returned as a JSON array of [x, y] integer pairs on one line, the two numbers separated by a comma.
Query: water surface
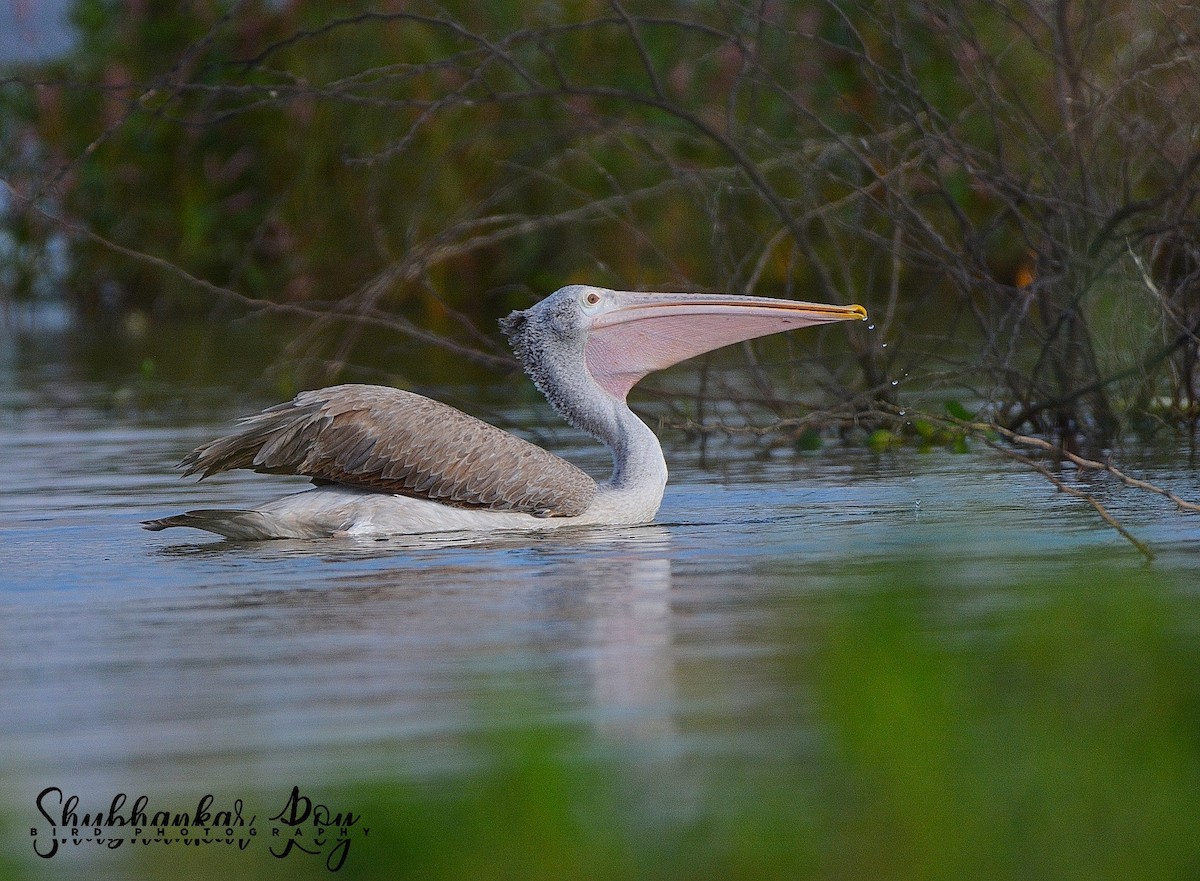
[[177, 662]]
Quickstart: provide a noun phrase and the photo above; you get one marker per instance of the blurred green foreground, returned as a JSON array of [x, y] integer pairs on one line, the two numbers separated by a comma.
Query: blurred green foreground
[[1043, 730]]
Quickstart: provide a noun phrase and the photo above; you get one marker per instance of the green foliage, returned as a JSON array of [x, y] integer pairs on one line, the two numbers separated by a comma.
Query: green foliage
[[293, 150], [882, 439], [962, 169], [958, 411], [927, 432], [808, 440], [1053, 747], [941, 727], [1059, 742]]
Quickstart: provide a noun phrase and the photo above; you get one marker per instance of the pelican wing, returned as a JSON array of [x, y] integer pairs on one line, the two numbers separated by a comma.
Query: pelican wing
[[395, 441]]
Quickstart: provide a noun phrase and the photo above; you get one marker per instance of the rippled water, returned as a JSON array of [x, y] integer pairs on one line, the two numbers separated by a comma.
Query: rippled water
[[141, 661]]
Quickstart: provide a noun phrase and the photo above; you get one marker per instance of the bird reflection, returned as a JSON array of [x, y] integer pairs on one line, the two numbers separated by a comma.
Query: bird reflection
[[401, 634], [633, 675]]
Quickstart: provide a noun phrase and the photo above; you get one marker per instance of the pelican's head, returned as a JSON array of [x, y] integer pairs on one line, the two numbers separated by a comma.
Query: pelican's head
[[620, 336]]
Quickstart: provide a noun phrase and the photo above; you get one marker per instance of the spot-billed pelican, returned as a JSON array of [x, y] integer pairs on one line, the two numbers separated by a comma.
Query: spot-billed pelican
[[388, 462]]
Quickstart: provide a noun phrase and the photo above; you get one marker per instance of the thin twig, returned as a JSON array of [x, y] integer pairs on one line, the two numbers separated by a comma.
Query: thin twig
[[1077, 493], [395, 323]]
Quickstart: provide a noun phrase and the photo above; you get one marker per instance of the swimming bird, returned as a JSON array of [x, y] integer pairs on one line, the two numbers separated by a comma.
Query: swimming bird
[[387, 461]]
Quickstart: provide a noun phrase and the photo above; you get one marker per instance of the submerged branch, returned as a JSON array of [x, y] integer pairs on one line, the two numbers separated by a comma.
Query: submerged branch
[[850, 415], [1108, 518], [1080, 461]]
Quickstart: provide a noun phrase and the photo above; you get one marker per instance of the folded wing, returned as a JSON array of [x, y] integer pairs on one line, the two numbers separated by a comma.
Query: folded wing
[[394, 441]]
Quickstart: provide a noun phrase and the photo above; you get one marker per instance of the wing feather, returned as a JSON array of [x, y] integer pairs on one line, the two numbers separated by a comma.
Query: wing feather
[[395, 441]]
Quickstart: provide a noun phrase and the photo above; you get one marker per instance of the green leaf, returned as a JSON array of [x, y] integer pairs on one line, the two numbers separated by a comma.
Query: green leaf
[[958, 411], [880, 439], [809, 439]]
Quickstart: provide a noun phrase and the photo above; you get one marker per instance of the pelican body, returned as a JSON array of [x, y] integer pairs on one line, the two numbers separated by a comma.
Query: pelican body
[[388, 462]]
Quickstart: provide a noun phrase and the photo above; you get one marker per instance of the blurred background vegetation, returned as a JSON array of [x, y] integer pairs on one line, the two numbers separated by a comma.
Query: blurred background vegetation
[[928, 728], [1010, 188]]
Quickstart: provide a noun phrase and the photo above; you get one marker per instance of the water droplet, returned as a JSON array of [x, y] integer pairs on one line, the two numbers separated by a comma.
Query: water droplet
[[883, 345], [901, 412], [895, 382], [870, 327]]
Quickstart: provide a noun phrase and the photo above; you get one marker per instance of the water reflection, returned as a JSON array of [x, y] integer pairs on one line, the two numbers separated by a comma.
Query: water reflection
[[132, 660], [620, 600], [267, 666], [633, 676], [346, 548]]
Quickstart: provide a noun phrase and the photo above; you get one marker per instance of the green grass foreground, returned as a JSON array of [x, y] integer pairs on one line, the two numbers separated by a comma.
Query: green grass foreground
[[1050, 730]]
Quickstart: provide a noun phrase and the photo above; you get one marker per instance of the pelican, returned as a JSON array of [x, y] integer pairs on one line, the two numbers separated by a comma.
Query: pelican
[[388, 462]]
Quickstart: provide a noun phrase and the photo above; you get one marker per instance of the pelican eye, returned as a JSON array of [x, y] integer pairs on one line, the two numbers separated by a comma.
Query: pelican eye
[[592, 299]]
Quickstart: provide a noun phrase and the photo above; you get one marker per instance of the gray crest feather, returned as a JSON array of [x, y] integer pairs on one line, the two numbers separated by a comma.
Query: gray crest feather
[[393, 441]]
